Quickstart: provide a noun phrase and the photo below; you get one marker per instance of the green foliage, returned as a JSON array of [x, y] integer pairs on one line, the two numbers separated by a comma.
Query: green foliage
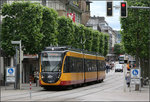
[[101, 44], [65, 31], [49, 27], [106, 41], [38, 26], [79, 37], [89, 38], [118, 49], [22, 22], [135, 33], [32, 23], [95, 45]]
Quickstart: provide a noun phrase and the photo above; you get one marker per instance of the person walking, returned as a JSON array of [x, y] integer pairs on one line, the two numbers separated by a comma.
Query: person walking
[[107, 67], [128, 79]]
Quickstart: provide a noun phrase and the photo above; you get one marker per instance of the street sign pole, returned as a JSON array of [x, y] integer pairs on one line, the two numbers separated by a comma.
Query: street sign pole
[[20, 65], [124, 73]]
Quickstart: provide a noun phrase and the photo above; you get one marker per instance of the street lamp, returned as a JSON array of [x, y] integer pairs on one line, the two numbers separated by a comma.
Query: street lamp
[[19, 42]]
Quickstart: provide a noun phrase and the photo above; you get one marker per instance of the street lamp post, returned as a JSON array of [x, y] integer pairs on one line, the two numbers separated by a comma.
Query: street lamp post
[[20, 78]]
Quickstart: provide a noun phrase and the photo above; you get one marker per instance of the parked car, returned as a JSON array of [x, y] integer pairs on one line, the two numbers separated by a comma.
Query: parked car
[[118, 68]]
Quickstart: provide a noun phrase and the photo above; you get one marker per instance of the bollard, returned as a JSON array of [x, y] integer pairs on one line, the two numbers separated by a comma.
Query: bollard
[[30, 89]]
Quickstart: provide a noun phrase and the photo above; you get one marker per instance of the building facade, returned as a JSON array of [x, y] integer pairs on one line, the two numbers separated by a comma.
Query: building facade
[[99, 23]]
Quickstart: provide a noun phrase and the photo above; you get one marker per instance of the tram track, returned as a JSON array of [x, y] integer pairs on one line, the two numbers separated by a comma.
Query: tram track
[[77, 91], [41, 93], [87, 93]]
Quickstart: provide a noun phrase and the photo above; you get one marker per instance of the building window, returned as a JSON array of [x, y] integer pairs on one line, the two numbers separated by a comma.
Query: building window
[[87, 7], [94, 27]]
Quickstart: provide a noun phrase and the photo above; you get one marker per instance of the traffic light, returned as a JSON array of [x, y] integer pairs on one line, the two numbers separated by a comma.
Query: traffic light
[[123, 9], [109, 8]]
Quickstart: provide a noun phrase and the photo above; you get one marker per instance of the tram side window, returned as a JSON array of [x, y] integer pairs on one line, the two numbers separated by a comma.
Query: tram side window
[[67, 65], [79, 65], [99, 65], [94, 65], [87, 65], [72, 64], [103, 66]]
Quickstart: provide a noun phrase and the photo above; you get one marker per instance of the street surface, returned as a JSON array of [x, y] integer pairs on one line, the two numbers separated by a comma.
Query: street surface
[[112, 89]]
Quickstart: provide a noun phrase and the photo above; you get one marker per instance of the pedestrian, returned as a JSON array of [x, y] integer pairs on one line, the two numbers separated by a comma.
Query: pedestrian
[[107, 67], [36, 77], [128, 79]]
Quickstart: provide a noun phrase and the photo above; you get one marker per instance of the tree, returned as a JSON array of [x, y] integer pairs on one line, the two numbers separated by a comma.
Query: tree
[[78, 36], [32, 23], [65, 31], [89, 38], [95, 43], [135, 33], [49, 27], [106, 41], [22, 21], [118, 49], [101, 44]]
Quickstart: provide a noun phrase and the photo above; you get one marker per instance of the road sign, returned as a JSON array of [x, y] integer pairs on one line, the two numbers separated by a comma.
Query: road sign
[[10, 79], [10, 75], [15, 42], [135, 81], [10, 71], [135, 73]]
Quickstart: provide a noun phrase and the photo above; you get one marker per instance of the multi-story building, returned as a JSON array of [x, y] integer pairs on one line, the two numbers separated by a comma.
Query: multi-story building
[[79, 8], [99, 23]]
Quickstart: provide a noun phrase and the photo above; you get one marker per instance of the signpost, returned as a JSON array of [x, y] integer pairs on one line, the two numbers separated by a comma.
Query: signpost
[[10, 76], [135, 78], [20, 65]]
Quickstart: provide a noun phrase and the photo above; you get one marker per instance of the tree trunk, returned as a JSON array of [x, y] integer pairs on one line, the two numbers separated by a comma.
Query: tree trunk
[[146, 68]]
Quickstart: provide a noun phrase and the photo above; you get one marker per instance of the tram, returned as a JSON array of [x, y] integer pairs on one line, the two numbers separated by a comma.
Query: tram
[[63, 66]]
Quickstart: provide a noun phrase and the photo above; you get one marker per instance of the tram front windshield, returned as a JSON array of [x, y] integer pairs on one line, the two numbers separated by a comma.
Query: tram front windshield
[[51, 62]]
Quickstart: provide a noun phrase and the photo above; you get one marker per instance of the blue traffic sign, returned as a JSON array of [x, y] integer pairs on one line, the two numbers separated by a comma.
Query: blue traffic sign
[[135, 72], [10, 70]]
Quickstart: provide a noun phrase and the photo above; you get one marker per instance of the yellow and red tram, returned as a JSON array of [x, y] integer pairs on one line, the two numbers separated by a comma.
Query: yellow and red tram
[[60, 66]]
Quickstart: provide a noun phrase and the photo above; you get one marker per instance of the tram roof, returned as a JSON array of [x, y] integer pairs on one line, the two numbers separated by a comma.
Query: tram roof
[[68, 48]]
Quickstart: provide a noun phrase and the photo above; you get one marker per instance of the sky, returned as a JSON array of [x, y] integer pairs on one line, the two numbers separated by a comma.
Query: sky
[[98, 8]]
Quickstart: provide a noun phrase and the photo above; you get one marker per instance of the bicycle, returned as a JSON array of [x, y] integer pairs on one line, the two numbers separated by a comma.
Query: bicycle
[[146, 81]]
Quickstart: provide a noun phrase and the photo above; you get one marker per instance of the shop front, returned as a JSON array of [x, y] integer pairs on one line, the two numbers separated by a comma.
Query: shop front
[[30, 66]]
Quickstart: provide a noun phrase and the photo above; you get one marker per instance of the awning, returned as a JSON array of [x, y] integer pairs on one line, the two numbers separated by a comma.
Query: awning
[[30, 56]]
